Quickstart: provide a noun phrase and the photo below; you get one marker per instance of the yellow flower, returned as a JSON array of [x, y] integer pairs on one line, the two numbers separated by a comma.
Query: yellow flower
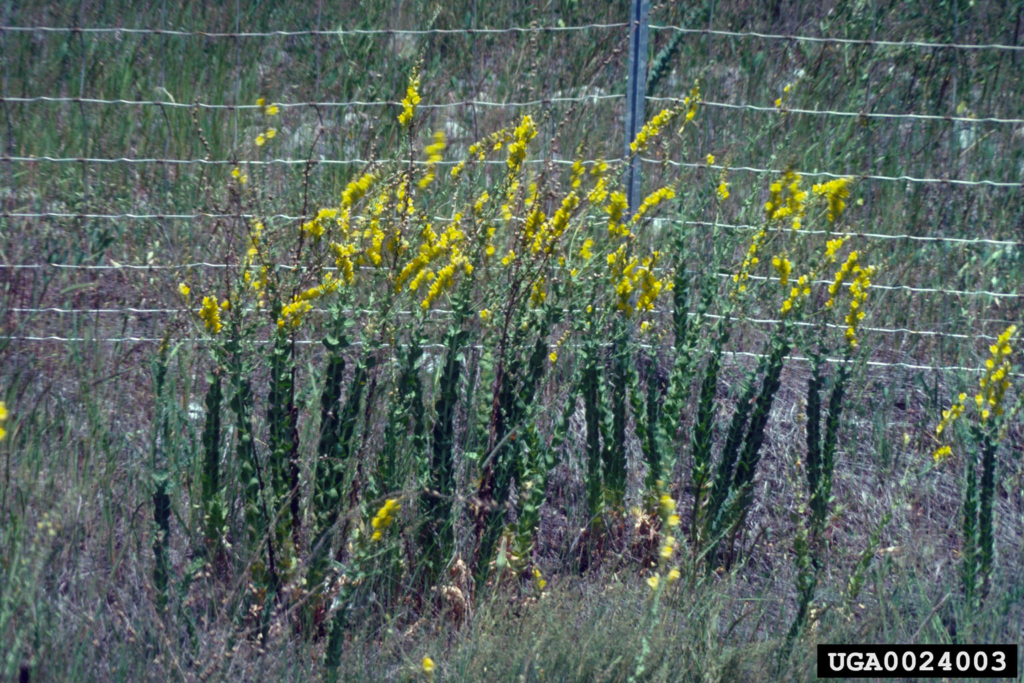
[[272, 110], [434, 156], [652, 200], [384, 517], [261, 140], [835, 192], [428, 666], [411, 99], [710, 159], [184, 290], [674, 521], [723, 190], [3, 411], [673, 575], [585, 252], [235, 173], [942, 453], [654, 581], [261, 102], [485, 314], [271, 133], [210, 315], [553, 356]]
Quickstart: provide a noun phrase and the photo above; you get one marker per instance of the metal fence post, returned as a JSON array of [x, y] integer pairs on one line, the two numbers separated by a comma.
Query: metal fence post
[[636, 91]]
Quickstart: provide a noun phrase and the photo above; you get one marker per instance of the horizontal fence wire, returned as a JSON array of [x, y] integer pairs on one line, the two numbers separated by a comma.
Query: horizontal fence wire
[[435, 312], [594, 98], [867, 42], [564, 162], [312, 342], [705, 224], [281, 266], [98, 30]]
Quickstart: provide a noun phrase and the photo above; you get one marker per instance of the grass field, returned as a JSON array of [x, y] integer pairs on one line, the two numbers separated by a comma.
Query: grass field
[[331, 349]]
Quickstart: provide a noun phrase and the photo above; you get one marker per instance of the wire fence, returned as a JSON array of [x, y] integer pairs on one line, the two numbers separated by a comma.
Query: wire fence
[[596, 99]]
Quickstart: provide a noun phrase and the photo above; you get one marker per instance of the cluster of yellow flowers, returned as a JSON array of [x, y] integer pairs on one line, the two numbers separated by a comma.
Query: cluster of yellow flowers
[[524, 132], [434, 156], [849, 266], [749, 261], [652, 128], [293, 313], [552, 230], [801, 291], [832, 248], [209, 313], [690, 103], [785, 96], [629, 274], [783, 267], [3, 419], [836, 192], [996, 380], [667, 512], [787, 200], [652, 200], [374, 236], [381, 521], [257, 280], [585, 252], [411, 99], [270, 133], [237, 174], [539, 293], [538, 580], [993, 386], [417, 270], [315, 227], [267, 109], [723, 189], [859, 294], [478, 150], [616, 209], [950, 416]]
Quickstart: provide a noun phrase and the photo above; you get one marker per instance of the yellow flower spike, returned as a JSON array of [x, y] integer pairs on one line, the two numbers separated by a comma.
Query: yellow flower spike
[[673, 575], [723, 191], [428, 666], [434, 156], [835, 192], [209, 313], [553, 357], [585, 252], [184, 290], [654, 581], [411, 99], [942, 453]]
